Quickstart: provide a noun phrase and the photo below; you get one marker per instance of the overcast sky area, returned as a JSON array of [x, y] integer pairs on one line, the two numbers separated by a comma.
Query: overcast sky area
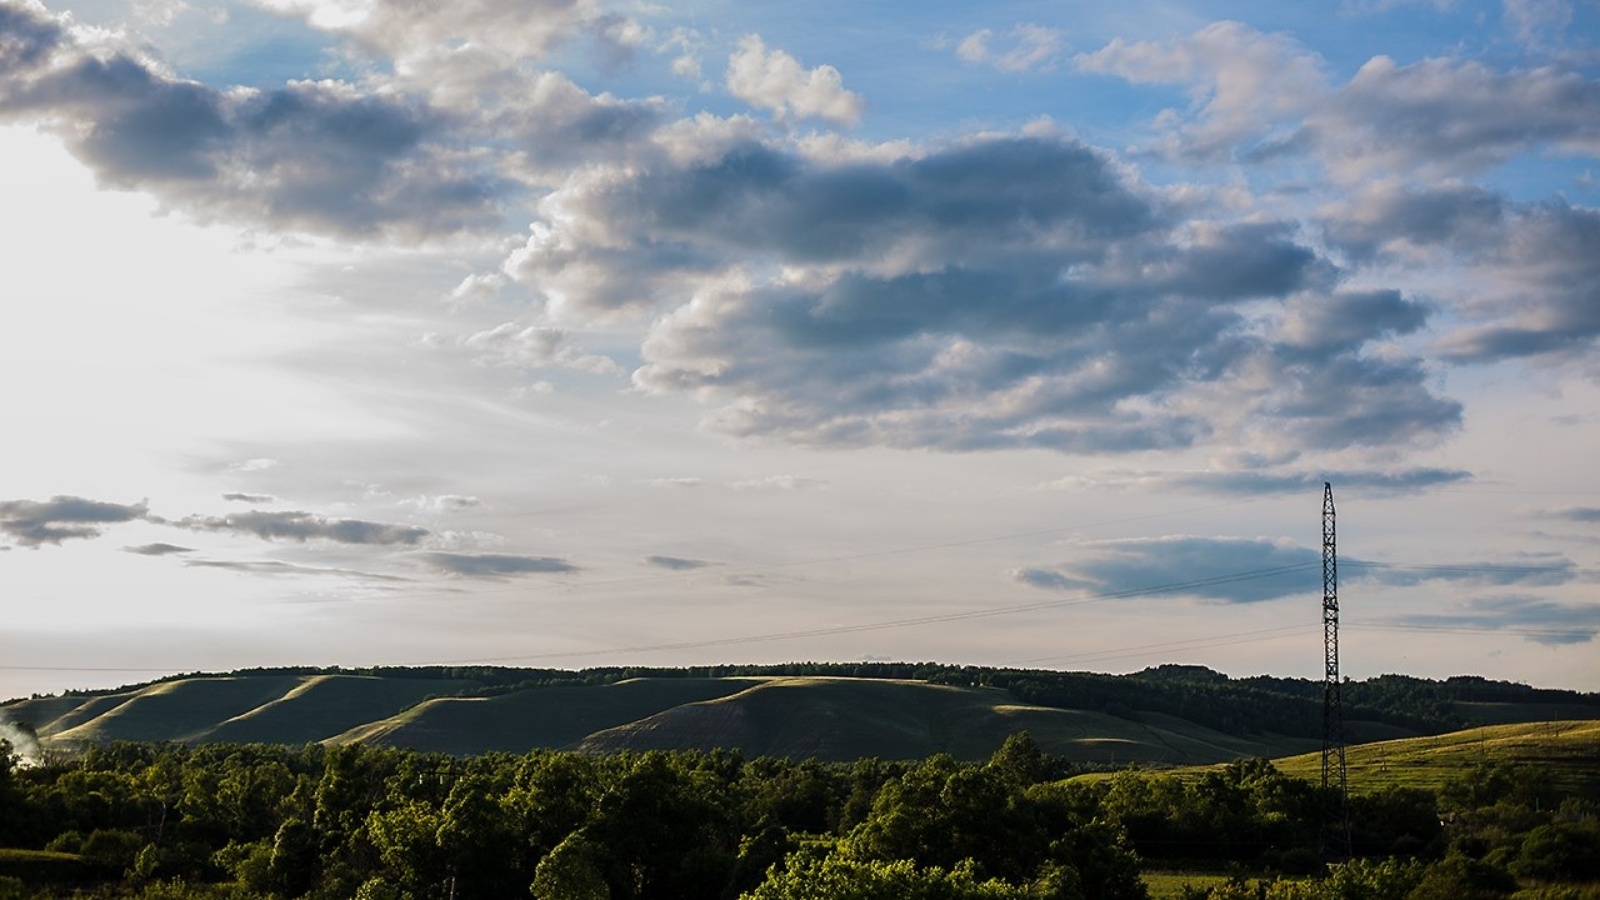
[[576, 333]]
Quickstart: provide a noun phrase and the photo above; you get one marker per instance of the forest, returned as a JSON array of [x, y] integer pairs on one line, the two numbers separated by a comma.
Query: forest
[[148, 820]]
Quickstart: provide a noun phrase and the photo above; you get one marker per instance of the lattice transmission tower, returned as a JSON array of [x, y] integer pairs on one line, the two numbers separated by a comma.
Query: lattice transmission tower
[[1335, 834]]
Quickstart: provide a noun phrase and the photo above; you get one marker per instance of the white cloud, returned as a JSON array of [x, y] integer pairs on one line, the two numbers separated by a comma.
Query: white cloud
[[1242, 83], [774, 80], [1025, 48], [1444, 118], [781, 483], [1536, 23], [534, 347]]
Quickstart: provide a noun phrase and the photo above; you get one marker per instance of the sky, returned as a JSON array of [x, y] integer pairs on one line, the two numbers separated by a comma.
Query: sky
[[576, 333]]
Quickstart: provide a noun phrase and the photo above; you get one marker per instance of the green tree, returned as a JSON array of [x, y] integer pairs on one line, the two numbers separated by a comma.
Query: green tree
[[1458, 877], [572, 871], [807, 876], [1560, 851]]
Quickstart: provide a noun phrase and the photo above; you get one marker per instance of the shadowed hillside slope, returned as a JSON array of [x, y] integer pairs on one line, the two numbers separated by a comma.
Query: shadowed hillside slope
[[178, 710], [1166, 715], [551, 717], [848, 718]]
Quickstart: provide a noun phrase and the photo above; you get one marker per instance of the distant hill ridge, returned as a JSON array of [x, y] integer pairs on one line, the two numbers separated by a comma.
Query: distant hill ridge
[[1171, 714]]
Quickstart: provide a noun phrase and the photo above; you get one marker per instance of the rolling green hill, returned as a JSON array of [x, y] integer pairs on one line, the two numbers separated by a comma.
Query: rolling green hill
[[553, 717], [285, 709], [1169, 715], [176, 710], [1568, 752], [848, 718]]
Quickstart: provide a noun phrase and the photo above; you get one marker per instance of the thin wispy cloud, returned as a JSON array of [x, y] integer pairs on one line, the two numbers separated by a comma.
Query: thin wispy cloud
[[496, 565]]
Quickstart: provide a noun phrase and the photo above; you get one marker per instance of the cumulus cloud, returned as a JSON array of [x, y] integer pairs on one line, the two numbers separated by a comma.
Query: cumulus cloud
[[676, 563], [1245, 87], [774, 80], [1451, 117], [304, 526], [313, 156], [158, 549], [473, 44], [1536, 289], [1532, 270], [34, 523], [1025, 48], [1007, 291], [1255, 96], [1230, 569], [496, 565], [558, 125]]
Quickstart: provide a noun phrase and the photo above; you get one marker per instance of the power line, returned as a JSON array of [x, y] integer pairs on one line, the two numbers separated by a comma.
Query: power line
[[1219, 640], [757, 569]]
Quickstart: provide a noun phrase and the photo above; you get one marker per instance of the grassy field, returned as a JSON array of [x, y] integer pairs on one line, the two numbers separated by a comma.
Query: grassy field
[[555, 717], [324, 706], [178, 710], [43, 867], [1169, 885], [831, 718], [848, 718], [1568, 751]]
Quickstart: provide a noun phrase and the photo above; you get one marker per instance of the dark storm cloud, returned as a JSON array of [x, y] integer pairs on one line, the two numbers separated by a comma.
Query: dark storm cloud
[[676, 563], [314, 156], [496, 565], [1539, 621], [1231, 570], [33, 523], [158, 549], [304, 526]]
